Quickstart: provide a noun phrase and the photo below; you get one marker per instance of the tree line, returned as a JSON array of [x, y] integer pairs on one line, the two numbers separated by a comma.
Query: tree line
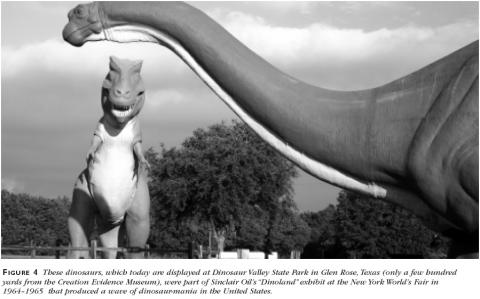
[[224, 186], [27, 218]]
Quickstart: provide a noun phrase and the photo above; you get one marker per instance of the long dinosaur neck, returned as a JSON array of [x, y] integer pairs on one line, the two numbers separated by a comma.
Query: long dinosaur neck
[[286, 111]]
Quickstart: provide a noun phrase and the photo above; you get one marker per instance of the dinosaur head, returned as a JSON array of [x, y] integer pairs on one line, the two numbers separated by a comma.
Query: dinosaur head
[[83, 25], [91, 22], [123, 91]]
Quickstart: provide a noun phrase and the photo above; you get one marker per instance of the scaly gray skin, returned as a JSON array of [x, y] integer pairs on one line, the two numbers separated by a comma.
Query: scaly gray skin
[[123, 96], [412, 142]]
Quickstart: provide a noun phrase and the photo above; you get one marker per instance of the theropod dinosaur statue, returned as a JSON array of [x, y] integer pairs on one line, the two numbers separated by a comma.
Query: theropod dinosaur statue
[[413, 142], [112, 190]]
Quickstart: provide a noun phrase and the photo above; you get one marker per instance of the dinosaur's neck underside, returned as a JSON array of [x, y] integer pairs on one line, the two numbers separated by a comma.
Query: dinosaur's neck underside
[[331, 134]]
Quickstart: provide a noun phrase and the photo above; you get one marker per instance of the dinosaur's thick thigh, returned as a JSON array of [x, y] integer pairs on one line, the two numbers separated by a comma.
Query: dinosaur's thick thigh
[[463, 193], [446, 194], [80, 219], [137, 220], [443, 158], [444, 191], [469, 174]]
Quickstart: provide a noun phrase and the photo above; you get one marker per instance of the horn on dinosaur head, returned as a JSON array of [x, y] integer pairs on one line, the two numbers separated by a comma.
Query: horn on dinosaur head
[[114, 63]]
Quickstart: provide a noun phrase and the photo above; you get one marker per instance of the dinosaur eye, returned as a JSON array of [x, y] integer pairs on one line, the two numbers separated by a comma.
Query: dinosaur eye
[[140, 93], [79, 11]]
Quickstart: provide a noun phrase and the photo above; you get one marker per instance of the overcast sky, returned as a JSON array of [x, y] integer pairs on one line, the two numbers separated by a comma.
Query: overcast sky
[[50, 96]]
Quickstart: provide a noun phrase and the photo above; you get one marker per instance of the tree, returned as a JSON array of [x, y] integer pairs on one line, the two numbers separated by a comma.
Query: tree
[[366, 227], [225, 178], [322, 236], [27, 218], [290, 232]]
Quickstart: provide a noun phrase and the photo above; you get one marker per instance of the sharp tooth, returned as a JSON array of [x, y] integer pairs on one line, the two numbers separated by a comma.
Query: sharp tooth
[[122, 111]]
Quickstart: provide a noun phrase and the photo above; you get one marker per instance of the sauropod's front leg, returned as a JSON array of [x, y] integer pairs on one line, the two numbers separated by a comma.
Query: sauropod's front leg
[[137, 223], [81, 218]]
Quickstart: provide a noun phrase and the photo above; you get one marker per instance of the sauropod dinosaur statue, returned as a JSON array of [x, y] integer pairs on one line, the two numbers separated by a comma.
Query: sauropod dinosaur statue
[[112, 189], [412, 142]]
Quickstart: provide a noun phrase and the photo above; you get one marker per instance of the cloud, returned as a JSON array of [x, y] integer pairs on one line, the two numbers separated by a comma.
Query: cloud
[[272, 9], [323, 46], [165, 97], [55, 55]]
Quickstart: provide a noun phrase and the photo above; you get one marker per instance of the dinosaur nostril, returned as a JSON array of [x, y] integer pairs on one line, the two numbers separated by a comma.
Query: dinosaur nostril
[[120, 92]]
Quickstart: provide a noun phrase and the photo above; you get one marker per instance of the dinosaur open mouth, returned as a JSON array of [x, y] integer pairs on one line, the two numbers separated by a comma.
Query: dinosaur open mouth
[[122, 111]]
